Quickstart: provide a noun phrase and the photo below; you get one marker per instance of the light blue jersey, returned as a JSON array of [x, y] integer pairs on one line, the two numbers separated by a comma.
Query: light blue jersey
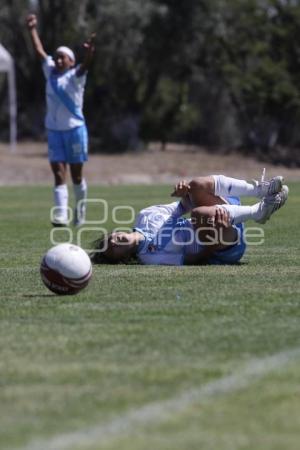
[[64, 97], [169, 237], [162, 230]]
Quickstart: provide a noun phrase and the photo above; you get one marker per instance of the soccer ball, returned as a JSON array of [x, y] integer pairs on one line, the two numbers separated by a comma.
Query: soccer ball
[[66, 269]]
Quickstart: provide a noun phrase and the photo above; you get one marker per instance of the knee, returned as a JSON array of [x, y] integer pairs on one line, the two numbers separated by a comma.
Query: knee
[[202, 184]]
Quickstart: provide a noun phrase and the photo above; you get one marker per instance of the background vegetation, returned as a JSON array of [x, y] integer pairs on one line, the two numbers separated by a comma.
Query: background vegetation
[[219, 73]]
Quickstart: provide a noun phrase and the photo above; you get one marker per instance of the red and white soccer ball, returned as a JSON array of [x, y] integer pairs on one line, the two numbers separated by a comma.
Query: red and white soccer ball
[[66, 269]]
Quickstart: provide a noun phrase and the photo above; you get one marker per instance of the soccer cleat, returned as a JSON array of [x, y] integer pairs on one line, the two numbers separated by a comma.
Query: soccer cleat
[[272, 203], [79, 216], [268, 187], [59, 221]]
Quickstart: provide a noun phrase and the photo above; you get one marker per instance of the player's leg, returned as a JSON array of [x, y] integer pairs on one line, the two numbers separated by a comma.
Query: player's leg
[[76, 142], [56, 156], [202, 192], [213, 227], [80, 192], [260, 212], [220, 242], [214, 234], [59, 170], [227, 186], [211, 190], [198, 192], [60, 193], [220, 232], [203, 189]]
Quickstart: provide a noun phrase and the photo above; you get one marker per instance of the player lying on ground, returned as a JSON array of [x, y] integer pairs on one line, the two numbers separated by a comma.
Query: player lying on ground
[[213, 234]]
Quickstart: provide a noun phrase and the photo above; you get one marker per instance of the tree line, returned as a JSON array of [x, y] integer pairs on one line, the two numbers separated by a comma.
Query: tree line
[[224, 74]]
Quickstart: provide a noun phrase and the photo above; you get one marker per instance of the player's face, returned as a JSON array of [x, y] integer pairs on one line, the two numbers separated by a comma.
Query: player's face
[[62, 62], [121, 238], [120, 246]]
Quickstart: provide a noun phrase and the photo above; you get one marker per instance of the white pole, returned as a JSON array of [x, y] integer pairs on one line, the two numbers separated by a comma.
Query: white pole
[[12, 106]]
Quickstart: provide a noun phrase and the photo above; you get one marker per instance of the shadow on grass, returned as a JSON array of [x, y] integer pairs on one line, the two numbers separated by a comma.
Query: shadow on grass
[[39, 295], [207, 264]]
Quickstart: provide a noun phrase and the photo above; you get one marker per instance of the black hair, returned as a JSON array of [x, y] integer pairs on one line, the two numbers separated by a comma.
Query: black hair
[[99, 255]]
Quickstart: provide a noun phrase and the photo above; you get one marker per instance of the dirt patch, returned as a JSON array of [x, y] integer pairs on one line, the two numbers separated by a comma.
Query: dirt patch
[[29, 165]]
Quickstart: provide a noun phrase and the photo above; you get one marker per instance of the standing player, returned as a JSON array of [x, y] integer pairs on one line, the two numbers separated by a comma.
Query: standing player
[[65, 124], [213, 234]]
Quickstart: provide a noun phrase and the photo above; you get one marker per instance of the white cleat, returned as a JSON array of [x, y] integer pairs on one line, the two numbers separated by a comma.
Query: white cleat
[[79, 216], [59, 221], [272, 203], [268, 187]]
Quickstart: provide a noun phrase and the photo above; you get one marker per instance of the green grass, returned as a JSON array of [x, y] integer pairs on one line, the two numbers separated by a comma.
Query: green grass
[[139, 335]]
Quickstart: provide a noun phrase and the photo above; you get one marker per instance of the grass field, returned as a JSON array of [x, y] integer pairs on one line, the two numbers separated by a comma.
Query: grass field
[[148, 357]]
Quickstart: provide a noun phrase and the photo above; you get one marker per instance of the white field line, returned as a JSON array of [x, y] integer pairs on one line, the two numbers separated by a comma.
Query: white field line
[[155, 412]]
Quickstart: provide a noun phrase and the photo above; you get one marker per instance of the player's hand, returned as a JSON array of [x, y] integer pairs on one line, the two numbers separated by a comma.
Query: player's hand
[[181, 189], [222, 218], [90, 43], [31, 21]]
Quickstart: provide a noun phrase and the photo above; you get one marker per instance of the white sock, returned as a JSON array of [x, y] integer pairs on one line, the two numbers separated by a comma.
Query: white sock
[[80, 191], [61, 198], [240, 214], [225, 186]]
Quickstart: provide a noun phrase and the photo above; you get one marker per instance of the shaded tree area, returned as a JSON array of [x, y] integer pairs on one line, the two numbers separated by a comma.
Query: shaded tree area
[[224, 74]]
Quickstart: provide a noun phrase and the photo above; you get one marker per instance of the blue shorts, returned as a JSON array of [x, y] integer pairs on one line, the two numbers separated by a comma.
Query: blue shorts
[[70, 146], [233, 254]]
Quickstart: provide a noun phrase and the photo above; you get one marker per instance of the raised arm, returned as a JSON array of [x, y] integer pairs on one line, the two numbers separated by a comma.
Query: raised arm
[[89, 45], [37, 44]]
